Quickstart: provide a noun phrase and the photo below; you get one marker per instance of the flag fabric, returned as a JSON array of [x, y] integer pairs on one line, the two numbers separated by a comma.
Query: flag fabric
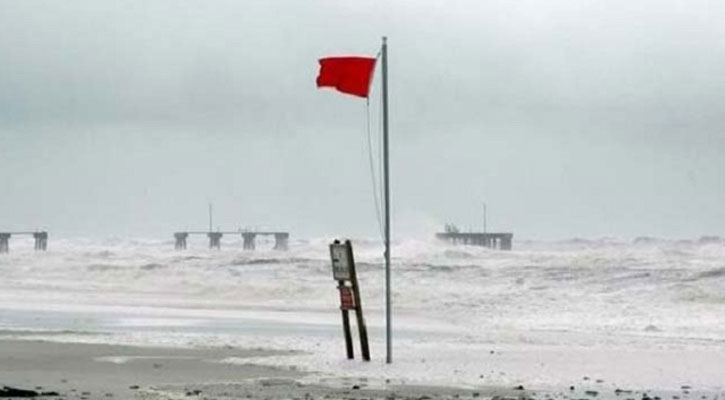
[[351, 75]]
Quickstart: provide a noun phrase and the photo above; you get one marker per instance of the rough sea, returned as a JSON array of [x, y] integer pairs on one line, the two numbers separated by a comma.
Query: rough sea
[[644, 313]]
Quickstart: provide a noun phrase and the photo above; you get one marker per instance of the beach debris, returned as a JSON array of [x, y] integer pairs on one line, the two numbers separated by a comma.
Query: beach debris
[[268, 382], [504, 398], [7, 391]]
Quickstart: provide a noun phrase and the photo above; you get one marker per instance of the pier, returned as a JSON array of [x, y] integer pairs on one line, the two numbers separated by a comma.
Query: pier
[[41, 240], [281, 239], [492, 240]]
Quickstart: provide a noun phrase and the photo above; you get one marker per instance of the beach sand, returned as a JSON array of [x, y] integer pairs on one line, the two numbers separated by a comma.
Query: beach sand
[[101, 371], [93, 371]]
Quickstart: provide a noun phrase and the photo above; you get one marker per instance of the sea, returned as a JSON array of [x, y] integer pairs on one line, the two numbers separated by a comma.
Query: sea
[[605, 313]]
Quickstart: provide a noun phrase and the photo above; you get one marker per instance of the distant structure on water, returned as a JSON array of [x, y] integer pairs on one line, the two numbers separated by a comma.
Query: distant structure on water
[[492, 240], [281, 239], [41, 240]]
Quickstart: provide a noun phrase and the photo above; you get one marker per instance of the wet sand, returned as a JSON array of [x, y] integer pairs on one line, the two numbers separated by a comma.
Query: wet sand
[[93, 371], [99, 371]]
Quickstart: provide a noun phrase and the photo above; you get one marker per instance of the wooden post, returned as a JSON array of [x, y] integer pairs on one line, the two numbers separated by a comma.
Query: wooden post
[[343, 269], [346, 326], [363, 331]]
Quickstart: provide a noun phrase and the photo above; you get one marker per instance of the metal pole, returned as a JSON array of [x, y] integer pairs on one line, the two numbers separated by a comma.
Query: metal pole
[[388, 308], [210, 219], [484, 217]]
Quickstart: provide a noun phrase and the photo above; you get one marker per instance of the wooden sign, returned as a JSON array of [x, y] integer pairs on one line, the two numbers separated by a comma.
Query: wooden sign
[[343, 270], [340, 262], [347, 300]]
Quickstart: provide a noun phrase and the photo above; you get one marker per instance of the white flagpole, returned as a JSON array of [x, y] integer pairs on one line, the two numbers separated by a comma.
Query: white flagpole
[[388, 308]]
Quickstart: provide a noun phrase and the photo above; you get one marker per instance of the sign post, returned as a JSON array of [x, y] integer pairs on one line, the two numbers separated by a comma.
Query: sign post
[[343, 271]]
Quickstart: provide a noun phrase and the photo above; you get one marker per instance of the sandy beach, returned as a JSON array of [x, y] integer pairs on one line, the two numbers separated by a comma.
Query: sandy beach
[[101, 371], [93, 371]]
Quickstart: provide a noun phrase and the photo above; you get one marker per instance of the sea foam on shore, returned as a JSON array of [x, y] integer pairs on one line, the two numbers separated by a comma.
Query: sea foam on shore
[[645, 313]]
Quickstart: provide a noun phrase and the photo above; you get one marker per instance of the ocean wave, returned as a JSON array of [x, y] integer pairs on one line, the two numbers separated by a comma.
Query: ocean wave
[[713, 273], [270, 261], [152, 266], [104, 267], [572, 284]]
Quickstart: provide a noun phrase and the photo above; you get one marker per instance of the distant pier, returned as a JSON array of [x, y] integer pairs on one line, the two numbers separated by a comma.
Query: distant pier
[[41, 240], [492, 240], [281, 239]]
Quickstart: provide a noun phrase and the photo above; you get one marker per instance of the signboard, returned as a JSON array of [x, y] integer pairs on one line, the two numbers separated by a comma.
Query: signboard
[[343, 270], [347, 301], [340, 262]]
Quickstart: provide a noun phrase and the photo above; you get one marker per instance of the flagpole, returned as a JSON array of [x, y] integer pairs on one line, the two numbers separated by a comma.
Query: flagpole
[[388, 308]]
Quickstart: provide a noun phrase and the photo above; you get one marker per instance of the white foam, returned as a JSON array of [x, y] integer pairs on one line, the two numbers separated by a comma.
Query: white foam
[[594, 300]]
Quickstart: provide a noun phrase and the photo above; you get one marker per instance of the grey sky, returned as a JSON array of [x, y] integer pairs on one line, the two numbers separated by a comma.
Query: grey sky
[[570, 118]]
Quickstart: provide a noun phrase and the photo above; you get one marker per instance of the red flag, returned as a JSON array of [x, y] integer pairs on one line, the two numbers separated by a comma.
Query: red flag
[[351, 75]]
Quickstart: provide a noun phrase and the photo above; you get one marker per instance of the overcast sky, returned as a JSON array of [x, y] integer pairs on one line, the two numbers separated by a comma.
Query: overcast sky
[[568, 118]]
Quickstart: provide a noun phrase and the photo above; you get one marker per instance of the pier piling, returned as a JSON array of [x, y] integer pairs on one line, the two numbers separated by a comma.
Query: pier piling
[[5, 242], [281, 239], [41, 241], [180, 240], [40, 238], [215, 240], [249, 238]]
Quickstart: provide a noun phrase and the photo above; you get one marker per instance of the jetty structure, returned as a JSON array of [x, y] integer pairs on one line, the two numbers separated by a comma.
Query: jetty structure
[[492, 240], [40, 237], [281, 239]]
